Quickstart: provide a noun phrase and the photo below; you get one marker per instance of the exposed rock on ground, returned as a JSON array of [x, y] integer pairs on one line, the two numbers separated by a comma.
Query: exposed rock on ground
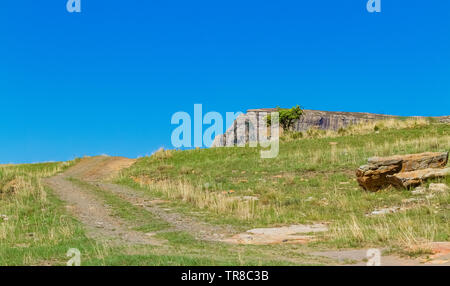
[[419, 191], [415, 178], [384, 211], [401, 171], [285, 234], [438, 188], [413, 162]]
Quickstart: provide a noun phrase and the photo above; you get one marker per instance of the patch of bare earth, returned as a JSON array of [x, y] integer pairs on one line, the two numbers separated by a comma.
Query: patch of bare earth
[[98, 168], [286, 234]]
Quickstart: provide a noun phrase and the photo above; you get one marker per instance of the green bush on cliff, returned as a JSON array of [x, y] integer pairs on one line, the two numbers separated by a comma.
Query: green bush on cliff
[[287, 116]]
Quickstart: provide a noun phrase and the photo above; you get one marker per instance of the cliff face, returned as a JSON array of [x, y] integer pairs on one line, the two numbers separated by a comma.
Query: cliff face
[[247, 127], [330, 120]]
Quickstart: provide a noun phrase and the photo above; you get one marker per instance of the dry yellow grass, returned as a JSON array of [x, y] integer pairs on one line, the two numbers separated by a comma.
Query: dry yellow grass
[[217, 202], [359, 129]]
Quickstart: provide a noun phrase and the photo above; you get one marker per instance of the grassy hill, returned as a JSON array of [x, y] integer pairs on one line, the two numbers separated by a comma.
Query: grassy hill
[[310, 181]]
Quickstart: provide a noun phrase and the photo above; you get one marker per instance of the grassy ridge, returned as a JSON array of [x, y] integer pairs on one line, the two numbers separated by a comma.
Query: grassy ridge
[[310, 181]]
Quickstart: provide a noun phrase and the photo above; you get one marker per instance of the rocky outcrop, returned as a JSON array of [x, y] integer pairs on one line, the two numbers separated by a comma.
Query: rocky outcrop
[[330, 120], [402, 171], [248, 127]]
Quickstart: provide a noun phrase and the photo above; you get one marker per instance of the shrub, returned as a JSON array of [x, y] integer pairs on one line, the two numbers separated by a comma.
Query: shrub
[[287, 116]]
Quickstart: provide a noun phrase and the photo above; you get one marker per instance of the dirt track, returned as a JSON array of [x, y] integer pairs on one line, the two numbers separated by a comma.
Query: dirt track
[[98, 218]]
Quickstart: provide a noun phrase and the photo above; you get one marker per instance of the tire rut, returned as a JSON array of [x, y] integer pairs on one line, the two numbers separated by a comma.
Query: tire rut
[[95, 215], [178, 222]]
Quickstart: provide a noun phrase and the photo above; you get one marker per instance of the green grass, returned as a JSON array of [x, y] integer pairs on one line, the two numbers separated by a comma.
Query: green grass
[[37, 230], [307, 182]]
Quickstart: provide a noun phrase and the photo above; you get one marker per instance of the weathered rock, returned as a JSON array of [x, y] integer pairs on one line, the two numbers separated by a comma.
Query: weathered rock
[[286, 234], [374, 178], [384, 211], [438, 188], [415, 178], [377, 173], [251, 126], [413, 162], [241, 133], [419, 191]]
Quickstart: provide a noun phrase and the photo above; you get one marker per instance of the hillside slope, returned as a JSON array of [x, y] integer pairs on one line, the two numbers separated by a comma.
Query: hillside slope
[[309, 182]]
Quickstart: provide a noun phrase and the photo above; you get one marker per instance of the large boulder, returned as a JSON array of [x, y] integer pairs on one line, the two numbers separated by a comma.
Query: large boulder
[[380, 171]]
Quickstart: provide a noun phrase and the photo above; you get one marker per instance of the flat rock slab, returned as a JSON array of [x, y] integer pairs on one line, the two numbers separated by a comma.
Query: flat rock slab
[[413, 162], [359, 257], [381, 172], [415, 178], [277, 235], [438, 188]]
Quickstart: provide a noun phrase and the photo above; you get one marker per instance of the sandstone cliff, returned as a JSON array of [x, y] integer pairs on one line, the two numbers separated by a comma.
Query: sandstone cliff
[[247, 127]]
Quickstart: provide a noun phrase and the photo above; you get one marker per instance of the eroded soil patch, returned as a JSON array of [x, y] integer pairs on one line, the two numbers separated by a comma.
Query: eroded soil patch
[[277, 235]]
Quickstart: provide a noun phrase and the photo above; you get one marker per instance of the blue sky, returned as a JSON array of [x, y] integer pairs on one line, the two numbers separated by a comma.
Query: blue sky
[[107, 80]]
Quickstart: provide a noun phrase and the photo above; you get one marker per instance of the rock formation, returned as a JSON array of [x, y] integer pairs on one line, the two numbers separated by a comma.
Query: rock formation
[[401, 171], [248, 127]]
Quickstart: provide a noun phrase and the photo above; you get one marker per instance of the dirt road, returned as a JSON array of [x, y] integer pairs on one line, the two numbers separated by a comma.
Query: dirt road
[[98, 217]]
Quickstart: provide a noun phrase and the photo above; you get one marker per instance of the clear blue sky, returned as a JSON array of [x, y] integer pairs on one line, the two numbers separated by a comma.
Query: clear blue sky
[[109, 79]]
